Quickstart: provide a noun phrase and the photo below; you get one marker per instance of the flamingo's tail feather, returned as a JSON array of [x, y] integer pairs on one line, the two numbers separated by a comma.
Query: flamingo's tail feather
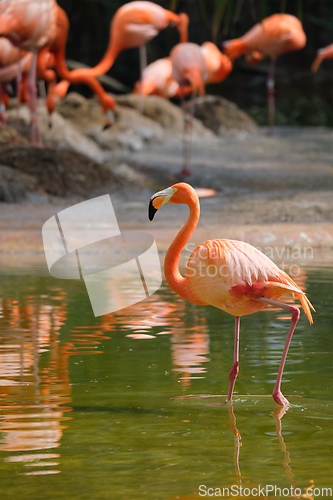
[[291, 286], [306, 304]]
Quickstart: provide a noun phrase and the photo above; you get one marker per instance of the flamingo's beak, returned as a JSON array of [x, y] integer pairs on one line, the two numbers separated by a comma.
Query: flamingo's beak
[[159, 199], [110, 119]]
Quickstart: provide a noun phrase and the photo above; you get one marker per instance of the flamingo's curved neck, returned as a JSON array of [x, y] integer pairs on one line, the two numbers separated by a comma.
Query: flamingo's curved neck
[[109, 57], [100, 69], [171, 263]]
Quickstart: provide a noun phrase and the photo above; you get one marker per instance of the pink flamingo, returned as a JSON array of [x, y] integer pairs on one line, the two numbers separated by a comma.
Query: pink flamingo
[[188, 69], [325, 53], [230, 275], [274, 36], [133, 25], [54, 55], [218, 65], [29, 25], [157, 79]]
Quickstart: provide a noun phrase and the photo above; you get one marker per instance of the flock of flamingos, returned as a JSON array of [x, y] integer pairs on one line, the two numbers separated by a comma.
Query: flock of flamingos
[[33, 37], [230, 275]]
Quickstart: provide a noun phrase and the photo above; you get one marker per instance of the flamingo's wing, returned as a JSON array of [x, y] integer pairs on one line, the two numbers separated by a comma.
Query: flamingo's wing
[[242, 268]]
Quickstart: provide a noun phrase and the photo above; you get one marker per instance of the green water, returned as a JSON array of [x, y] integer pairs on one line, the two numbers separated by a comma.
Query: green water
[[88, 412]]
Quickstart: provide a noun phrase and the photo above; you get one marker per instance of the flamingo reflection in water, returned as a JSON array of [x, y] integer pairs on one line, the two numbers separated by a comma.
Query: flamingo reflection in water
[[189, 346], [189, 350], [238, 486], [34, 388]]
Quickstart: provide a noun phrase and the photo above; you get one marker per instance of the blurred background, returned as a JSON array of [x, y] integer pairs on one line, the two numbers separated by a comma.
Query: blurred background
[[302, 98]]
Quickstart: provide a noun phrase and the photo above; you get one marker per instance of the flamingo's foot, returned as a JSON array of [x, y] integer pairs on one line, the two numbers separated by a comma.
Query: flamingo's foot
[[280, 399]]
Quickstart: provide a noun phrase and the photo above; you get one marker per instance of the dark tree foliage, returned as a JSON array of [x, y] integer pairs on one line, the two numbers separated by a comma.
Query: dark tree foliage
[[302, 98]]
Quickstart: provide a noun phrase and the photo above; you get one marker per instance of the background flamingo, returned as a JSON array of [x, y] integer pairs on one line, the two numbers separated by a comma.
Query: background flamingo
[[218, 65], [325, 53], [133, 25], [188, 69], [58, 51], [230, 275], [29, 25], [274, 36], [157, 79]]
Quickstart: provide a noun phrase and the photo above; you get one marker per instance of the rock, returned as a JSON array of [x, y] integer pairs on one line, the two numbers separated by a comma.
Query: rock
[[131, 131], [223, 116], [16, 186], [63, 133], [61, 172], [82, 112], [129, 174], [9, 136], [167, 115]]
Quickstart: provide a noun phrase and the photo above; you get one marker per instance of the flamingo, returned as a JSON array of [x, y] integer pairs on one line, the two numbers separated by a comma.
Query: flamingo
[[274, 36], [157, 79], [55, 56], [218, 65], [133, 25], [188, 68], [325, 53], [230, 275], [29, 25]]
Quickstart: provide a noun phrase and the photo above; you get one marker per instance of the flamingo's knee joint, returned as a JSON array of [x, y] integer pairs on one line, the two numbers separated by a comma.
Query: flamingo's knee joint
[[295, 313], [234, 371]]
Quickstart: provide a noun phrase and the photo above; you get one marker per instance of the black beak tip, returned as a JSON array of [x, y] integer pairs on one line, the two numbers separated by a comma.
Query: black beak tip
[[151, 211], [106, 126]]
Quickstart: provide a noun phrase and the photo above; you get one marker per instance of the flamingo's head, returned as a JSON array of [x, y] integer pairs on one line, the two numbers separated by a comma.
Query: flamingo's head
[[180, 193]]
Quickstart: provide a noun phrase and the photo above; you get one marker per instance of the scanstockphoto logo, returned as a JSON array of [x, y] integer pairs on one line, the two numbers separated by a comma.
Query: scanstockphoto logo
[[84, 242], [266, 491]]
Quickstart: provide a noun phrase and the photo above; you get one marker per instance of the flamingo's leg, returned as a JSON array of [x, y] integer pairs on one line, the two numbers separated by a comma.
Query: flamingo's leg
[[42, 89], [189, 135], [143, 58], [271, 98], [235, 367], [187, 127], [143, 64], [19, 87], [277, 394], [183, 172], [2, 108], [32, 89]]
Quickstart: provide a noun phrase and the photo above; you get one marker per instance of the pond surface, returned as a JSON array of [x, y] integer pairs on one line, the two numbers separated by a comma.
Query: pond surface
[[132, 405]]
